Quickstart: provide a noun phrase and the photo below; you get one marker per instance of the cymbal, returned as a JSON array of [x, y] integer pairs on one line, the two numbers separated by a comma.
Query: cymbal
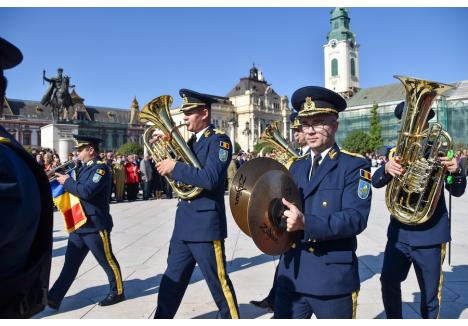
[[265, 211], [242, 184]]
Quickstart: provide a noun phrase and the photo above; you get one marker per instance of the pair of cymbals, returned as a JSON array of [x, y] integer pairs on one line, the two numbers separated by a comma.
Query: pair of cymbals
[[255, 200]]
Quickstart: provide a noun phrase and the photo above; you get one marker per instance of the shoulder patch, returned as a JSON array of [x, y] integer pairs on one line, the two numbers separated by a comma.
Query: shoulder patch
[[363, 189], [223, 155], [97, 177], [352, 154], [100, 172], [364, 174], [224, 144]]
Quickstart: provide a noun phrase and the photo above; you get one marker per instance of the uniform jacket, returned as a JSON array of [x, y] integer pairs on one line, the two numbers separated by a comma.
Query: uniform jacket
[[204, 218], [434, 231], [93, 186], [336, 204]]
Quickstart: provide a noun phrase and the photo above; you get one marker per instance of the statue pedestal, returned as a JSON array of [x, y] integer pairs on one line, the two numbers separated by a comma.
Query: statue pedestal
[[59, 137]]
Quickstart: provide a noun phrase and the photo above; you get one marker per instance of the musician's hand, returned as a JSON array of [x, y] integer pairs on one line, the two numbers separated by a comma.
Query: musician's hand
[[393, 167], [451, 165], [61, 178], [158, 135], [166, 167], [294, 217]]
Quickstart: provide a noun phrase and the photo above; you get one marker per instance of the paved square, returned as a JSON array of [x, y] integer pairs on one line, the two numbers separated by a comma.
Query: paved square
[[140, 241]]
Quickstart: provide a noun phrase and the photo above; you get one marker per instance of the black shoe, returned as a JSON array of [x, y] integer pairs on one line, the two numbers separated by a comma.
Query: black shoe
[[112, 299], [53, 304], [264, 304]]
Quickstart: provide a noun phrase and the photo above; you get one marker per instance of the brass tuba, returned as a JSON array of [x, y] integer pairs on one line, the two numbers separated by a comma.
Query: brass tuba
[[286, 155], [173, 147], [412, 197]]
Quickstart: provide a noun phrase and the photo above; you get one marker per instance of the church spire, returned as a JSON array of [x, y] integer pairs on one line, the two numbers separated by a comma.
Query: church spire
[[341, 55]]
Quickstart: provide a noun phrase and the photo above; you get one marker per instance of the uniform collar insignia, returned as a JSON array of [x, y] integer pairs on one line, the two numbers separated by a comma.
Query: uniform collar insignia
[[332, 153], [207, 133], [185, 99], [90, 163]]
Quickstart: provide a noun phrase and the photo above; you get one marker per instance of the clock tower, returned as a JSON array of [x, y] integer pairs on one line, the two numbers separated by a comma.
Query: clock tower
[[341, 55]]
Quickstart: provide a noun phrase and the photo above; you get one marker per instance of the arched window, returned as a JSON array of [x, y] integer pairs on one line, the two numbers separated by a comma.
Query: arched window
[[353, 67], [334, 67]]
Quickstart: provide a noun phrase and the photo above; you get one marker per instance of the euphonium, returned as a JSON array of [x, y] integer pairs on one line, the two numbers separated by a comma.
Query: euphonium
[[285, 154], [412, 197], [65, 168], [173, 147]]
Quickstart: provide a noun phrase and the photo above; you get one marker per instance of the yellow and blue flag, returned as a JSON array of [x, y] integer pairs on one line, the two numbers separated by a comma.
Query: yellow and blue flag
[[69, 205]]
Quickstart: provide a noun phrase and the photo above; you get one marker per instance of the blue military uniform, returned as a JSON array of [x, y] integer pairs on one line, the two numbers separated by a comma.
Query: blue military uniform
[[26, 218], [319, 274], [423, 245], [92, 186], [200, 225]]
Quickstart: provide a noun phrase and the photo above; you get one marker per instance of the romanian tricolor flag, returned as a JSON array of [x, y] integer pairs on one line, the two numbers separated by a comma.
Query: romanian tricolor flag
[[69, 205]]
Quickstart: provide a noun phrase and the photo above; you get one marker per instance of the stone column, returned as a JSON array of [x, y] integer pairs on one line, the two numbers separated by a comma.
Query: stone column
[[34, 140]]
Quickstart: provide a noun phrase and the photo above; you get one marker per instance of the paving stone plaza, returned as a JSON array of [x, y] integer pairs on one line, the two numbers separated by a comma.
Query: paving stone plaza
[[140, 241]]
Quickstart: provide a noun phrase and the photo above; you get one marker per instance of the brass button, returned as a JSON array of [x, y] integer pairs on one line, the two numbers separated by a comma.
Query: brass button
[[293, 245], [311, 249], [324, 204], [189, 201]]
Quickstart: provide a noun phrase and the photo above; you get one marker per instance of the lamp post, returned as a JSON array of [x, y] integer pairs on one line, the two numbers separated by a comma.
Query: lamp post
[[247, 133]]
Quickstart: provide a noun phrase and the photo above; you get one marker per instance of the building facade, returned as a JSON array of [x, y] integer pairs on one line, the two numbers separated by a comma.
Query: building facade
[[24, 120], [245, 112]]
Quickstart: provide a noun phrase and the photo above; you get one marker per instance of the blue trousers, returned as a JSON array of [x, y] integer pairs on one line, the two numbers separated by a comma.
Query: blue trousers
[[427, 263], [301, 306], [77, 248], [180, 264]]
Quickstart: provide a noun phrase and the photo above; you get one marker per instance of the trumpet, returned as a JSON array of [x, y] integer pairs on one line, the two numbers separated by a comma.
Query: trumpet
[[65, 168]]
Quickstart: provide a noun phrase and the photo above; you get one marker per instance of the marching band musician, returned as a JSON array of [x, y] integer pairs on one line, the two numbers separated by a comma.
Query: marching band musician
[[26, 219], [200, 225], [302, 148], [421, 245], [92, 186], [319, 273]]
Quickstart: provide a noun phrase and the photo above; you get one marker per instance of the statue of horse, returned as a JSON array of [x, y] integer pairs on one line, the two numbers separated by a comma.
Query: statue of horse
[[61, 99]]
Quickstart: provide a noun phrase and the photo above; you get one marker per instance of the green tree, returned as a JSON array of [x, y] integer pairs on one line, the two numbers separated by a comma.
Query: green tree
[[375, 131], [237, 147], [130, 148], [357, 141]]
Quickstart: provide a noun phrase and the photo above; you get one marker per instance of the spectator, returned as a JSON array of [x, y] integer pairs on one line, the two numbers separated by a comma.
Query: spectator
[[146, 177], [132, 178], [118, 173]]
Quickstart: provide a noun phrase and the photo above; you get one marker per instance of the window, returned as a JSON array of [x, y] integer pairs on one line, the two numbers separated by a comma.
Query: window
[[334, 67], [27, 138], [353, 67]]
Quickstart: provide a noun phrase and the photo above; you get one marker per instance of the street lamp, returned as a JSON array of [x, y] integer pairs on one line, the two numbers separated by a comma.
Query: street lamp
[[247, 133]]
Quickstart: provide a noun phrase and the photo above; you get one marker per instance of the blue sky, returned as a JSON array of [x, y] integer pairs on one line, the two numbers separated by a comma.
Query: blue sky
[[113, 54]]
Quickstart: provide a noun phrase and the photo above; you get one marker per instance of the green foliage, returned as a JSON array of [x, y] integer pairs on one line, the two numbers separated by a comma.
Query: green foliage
[[130, 148], [237, 147], [375, 131], [357, 141]]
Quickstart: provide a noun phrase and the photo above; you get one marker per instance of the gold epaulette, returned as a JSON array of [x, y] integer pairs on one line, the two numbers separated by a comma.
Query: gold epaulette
[[352, 154], [100, 162], [218, 132], [4, 140]]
